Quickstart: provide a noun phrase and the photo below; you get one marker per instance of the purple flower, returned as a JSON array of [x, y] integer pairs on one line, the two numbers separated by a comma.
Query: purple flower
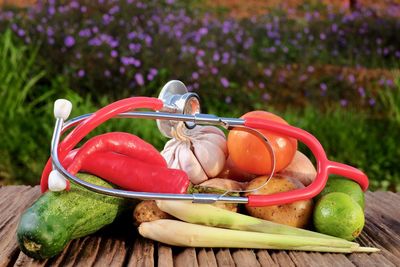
[[121, 70], [94, 42], [214, 70], [153, 71], [203, 31], [323, 87], [21, 32], [51, 10], [310, 69], [371, 102], [343, 102], [69, 41], [361, 91], [114, 53], [107, 73], [389, 82], [200, 63], [303, 77], [132, 35], [322, 36], [224, 81], [113, 10], [81, 73], [351, 78], [266, 96], [201, 53], [228, 99], [83, 9], [261, 85], [334, 27], [74, 4], [195, 75], [148, 40], [139, 79], [216, 56], [268, 72], [50, 31], [85, 33], [107, 19]]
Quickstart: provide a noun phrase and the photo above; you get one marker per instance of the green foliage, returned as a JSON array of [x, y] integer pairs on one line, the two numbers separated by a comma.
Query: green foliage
[[26, 117], [370, 144]]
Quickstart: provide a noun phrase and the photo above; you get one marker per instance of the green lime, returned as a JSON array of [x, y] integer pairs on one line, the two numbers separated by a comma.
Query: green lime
[[337, 214], [338, 184]]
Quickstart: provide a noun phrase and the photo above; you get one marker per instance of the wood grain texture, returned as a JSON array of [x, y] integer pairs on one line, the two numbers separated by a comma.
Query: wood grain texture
[[165, 258], [120, 245], [206, 258]]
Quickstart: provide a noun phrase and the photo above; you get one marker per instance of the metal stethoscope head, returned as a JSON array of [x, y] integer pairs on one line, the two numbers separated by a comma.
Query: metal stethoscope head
[[178, 100], [173, 105]]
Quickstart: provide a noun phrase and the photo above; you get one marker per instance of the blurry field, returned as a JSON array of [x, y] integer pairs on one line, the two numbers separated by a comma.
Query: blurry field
[[322, 67]]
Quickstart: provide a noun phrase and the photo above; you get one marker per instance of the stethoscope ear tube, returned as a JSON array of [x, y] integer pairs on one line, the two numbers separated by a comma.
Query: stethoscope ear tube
[[324, 166]]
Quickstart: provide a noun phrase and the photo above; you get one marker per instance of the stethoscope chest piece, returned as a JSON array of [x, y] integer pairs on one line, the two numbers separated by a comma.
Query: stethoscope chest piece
[[177, 99]]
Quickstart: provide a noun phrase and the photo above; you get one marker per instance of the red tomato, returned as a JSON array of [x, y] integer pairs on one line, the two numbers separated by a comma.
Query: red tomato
[[250, 154]]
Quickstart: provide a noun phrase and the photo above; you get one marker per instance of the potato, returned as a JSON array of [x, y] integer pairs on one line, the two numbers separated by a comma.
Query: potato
[[147, 211], [297, 214], [300, 168]]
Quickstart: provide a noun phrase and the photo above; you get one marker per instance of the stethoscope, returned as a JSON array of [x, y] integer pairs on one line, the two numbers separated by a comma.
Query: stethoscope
[[175, 104]]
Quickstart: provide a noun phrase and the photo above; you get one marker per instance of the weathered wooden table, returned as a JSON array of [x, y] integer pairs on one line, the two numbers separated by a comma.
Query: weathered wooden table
[[119, 245]]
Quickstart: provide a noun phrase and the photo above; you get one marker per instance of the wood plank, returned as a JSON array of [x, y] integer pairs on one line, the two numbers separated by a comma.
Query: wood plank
[[245, 257], [11, 215], [206, 257], [142, 254], [265, 259], [319, 259], [381, 230], [281, 257], [112, 253], [25, 261], [164, 256], [186, 258], [362, 260], [224, 258]]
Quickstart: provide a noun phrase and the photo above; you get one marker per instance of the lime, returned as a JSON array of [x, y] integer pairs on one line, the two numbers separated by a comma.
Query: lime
[[349, 187], [337, 214]]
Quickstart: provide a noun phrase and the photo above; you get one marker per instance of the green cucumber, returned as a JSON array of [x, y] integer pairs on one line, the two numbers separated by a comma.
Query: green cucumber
[[59, 217]]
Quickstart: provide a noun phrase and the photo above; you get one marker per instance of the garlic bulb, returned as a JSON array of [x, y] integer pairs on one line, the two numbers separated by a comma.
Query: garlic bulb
[[200, 152]]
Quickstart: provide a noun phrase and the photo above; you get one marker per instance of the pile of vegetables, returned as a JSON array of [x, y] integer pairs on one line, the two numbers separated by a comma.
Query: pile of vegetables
[[198, 160]]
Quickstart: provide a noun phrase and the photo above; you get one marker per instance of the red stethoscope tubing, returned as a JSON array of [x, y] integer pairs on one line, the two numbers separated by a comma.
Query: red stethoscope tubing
[[324, 166], [97, 118]]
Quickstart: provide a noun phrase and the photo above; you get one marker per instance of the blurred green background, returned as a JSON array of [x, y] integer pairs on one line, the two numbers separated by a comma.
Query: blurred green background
[[327, 67]]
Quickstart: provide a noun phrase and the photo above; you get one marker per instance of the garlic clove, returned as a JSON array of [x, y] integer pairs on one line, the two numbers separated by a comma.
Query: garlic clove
[[174, 161], [210, 156], [169, 151], [189, 163], [213, 130], [216, 139]]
